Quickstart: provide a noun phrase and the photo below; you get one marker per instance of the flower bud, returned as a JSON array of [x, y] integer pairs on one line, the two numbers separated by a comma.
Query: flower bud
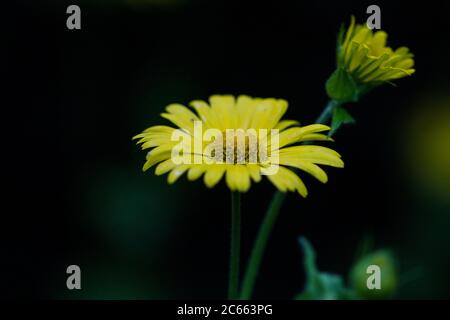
[[374, 276]]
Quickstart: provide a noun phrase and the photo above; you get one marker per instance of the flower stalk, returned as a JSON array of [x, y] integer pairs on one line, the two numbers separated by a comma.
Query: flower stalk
[[268, 222]]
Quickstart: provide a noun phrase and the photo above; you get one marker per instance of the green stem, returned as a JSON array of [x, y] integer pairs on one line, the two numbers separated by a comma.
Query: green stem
[[235, 247], [267, 225], [327, 112]]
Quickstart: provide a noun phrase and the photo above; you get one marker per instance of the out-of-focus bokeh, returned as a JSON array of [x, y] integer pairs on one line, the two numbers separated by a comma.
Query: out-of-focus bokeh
[[75, 192]]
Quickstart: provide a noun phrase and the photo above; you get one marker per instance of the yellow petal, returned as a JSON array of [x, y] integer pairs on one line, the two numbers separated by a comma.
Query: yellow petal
[[283, 124], [244, 178], [206, 114], [286, 180], [182, 112], [280, 107], [164, 167], [255, 172], [238, 178], [378, 43], [223, 106], [314, 154], [159, 129], [245, 106], [315, 137], [196, 171], [306, 166], [213, 175], [268, 112], [154, 159], [176, 173], [295, 134]]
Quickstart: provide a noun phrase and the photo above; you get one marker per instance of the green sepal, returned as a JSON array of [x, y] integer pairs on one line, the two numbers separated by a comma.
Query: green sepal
[[341, 87], [339, 42], [340, 116]]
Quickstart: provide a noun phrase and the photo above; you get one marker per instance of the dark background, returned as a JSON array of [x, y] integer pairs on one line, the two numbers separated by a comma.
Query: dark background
[[73, 189]]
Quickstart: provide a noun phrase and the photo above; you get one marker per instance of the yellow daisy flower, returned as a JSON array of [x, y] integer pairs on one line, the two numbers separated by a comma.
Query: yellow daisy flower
[[251, 119], [364, 54]]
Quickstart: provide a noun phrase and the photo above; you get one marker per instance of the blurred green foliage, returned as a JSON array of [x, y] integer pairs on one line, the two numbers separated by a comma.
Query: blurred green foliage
[[384, 259], [320, 285], [327, 286]]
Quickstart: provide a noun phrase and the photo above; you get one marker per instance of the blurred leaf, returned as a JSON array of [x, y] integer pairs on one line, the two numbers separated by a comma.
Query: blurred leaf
[[320, 285]]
